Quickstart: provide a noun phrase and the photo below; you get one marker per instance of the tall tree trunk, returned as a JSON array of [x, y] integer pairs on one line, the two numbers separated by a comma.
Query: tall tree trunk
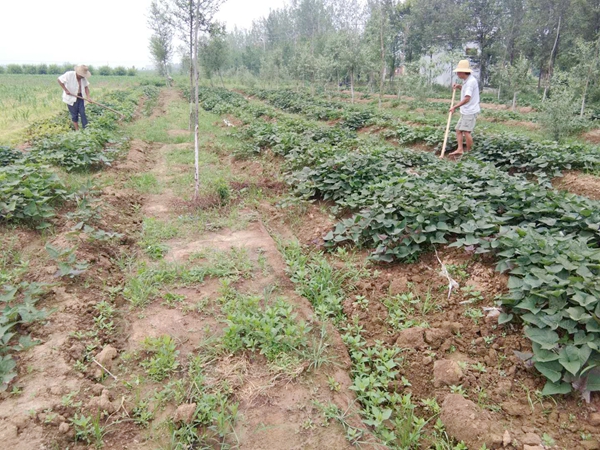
[[382, 48], [587, 83], [514, 103], [191, 37], [587, 79], [197, 105], [552, 58], [352, 84]]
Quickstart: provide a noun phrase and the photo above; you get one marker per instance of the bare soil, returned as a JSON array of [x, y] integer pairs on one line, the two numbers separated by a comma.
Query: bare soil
[[592, 136], [579, 183]]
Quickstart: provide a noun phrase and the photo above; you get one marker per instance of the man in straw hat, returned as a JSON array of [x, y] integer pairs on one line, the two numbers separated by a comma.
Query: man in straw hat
[[74, 83], [469, 106]]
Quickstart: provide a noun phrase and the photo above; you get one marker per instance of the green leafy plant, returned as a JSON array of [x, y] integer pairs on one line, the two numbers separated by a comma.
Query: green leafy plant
[[9, 156], [19, 307], [66, 258], [28, 193], [163, 357]]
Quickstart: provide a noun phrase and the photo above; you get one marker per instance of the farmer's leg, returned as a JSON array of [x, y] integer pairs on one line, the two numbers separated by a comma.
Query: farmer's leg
[[459, 137], [469, 140], [74, 112], [459, 140], [84, 120]]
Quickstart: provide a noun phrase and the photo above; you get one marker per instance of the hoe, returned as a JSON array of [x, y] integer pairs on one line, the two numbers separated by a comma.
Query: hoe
[[102, 106]]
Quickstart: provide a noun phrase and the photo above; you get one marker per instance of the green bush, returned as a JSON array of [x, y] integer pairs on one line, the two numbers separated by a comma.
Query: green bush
[[105, 71], [54, 69], [2, 69], [131, 72], [120, 71], [29, 69], [558, 113], [41, 69], [14, 69], [27, 192]]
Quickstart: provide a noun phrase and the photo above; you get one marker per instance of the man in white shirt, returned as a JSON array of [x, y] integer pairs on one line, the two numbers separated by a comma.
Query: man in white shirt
[[469, 106], [74, 84]]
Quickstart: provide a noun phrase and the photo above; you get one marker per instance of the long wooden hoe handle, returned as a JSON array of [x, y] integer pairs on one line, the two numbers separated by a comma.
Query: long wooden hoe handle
[[102, 106], [448, 125]]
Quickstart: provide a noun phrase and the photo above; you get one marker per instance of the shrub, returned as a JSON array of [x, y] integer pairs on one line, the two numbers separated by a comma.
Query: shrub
[[557, 113], [29, 69], [1, 69], [54, 69], [132, 72], [41, 69], [120, 71], [105, 70], [14, 68]]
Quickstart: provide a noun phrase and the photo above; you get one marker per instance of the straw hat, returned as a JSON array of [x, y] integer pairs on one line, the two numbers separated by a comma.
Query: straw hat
[[83, 71], [463, 66]]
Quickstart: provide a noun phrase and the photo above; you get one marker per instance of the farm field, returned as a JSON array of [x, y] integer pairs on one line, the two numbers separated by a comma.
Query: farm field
[[26, 99], [334, 285]]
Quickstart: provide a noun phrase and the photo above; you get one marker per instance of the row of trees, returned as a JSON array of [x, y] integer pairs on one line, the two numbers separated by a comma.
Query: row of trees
[[518, 45], [56, 69]]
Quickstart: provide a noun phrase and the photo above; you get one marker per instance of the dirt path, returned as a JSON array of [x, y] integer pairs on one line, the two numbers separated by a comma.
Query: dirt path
[[277, 409]]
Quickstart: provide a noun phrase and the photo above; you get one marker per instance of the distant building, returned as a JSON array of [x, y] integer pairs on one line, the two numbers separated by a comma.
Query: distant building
[[442, 71]]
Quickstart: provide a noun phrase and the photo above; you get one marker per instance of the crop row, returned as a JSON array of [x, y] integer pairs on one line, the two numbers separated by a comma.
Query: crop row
[[403, 203], [507, 152]]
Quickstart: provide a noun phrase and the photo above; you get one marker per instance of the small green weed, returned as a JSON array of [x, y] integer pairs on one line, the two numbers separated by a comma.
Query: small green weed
[[163, 357]]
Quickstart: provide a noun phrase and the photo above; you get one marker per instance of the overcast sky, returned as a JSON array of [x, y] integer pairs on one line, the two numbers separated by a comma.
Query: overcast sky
[[94, 32]]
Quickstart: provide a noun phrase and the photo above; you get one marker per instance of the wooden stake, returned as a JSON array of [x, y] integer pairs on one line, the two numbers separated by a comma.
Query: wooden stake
[[101, 105], [448, 125]]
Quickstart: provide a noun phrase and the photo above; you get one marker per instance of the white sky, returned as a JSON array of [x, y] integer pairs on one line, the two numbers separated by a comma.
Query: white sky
[[110, 32]]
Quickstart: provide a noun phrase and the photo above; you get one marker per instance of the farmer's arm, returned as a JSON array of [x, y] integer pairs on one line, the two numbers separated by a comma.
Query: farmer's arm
[[464, 101], [457, 86], [64, 87]]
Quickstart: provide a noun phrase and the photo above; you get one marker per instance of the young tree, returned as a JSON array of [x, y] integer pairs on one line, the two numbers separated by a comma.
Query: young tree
[[587, 69], [161, 41], [513, 78], [214, 52], [557, 114], [191, 18]]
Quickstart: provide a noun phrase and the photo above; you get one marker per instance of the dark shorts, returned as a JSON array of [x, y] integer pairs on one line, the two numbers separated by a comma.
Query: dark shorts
[[77, 110]]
